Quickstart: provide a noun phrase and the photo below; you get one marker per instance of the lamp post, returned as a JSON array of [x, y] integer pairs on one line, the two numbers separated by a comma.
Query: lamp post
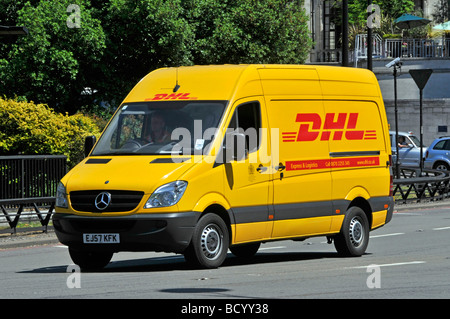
[[396, 63], [344, 32], [369, 39]]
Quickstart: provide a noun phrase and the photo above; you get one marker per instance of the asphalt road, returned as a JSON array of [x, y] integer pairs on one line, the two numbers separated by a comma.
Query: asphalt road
[[411, 257]]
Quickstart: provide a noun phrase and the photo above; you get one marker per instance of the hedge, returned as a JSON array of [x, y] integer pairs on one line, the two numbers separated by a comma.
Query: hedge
[[27, 128]]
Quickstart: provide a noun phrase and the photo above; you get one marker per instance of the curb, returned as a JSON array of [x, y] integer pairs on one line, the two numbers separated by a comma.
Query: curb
[[28, 240], [402, 207]]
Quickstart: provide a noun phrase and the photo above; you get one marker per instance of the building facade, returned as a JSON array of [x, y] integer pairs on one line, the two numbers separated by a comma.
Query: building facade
[[325, 25]]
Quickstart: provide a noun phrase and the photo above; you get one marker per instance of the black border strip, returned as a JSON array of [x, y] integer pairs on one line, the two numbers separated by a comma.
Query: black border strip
[[352, 154]]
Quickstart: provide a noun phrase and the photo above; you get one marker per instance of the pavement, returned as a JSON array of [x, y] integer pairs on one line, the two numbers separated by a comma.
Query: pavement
[[28, 238], [31, 237]]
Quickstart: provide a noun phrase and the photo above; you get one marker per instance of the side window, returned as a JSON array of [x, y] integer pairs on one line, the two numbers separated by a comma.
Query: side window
[[447, 145], [408, 140], [439, 145], [247, 120]]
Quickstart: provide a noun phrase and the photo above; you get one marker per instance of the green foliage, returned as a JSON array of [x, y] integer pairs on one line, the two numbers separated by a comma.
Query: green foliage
[[29, 128], [120, 41], [357, 9], [52, 64], [141, 36], [271, 31]]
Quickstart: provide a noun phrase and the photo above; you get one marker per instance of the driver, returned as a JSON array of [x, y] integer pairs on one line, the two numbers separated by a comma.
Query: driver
[[158, 130]]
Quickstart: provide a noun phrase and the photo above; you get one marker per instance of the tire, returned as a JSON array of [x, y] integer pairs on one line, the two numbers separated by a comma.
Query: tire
[[245, 250], [441, 166], [88, 260], [353, 239], [209, 243]]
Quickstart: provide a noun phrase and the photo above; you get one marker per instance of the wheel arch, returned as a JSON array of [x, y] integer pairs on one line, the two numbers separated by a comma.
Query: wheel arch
[[360, 197], [226, 216], [362, 203], [441, 160]]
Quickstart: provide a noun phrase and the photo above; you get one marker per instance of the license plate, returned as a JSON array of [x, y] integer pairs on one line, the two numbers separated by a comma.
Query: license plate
[[101, 238]]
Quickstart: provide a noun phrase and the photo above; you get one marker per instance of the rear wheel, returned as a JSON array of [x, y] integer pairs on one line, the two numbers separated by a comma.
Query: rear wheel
[[209, 244], [441, 166], [88, 260], [354, 236]]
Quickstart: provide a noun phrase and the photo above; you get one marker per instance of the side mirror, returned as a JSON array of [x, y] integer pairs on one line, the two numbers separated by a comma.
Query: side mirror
[[89, 143], [235, 147]]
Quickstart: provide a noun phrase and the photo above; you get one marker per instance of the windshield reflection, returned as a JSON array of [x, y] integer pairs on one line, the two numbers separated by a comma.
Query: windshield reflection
[[169, 127]]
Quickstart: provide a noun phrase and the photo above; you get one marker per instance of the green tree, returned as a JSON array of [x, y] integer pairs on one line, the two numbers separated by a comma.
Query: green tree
[[29, 128], [141, 36], [120, 41], [357, 9], [144, 35], [53, 63], [271, 31]]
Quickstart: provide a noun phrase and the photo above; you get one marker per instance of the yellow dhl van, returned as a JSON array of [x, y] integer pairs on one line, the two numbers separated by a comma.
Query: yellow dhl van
[[198, 160]]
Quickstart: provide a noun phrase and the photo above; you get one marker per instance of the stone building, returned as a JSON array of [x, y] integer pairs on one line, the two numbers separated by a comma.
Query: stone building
[[325, 27]]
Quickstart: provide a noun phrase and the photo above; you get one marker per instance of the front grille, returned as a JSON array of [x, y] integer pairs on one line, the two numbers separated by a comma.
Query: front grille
[[121, 201]]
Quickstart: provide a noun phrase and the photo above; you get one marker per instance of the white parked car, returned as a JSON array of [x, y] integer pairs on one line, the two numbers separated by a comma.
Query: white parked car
[[409, 150]]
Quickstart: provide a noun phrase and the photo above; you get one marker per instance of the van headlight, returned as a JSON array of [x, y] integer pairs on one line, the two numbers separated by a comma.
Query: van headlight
[[61, 196], [166, 195]]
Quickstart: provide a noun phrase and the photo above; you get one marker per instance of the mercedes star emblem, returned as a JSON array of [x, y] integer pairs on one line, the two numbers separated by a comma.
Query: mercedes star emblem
[[102, 200]]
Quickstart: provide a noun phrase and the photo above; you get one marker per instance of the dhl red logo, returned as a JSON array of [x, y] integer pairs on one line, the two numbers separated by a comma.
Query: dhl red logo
[[172, 96], [336, 127]]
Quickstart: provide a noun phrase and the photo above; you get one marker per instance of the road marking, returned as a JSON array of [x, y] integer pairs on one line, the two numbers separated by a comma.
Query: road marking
[[386, 235], [374, 236], [441, 228], [389, 265], [267, 248]]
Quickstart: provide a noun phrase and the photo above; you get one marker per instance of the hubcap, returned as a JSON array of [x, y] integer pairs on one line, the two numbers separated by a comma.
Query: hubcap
[[211, 241], [356, 232]]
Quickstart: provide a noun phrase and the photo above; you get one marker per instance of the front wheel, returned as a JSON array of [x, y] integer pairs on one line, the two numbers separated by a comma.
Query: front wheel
[[209, 244], [354, 236]]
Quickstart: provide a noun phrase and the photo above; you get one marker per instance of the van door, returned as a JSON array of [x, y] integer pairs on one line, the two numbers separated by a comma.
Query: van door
[[358, 150], [247, 180], [302, 179]]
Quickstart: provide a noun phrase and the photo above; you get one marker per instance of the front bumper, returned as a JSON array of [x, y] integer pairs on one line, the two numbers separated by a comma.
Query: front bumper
[[171, 232]]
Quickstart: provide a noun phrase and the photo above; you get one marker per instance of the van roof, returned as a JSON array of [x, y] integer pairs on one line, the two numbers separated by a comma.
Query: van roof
[[223, 82]]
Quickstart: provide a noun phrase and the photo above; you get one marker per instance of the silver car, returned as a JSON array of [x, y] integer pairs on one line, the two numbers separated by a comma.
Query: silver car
[[409, 149]]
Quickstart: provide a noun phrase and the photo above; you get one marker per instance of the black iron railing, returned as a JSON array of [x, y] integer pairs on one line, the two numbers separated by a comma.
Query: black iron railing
[[415, 186], [29, 181]]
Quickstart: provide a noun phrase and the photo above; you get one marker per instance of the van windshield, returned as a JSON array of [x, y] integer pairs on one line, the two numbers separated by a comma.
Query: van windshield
[[163, 128]]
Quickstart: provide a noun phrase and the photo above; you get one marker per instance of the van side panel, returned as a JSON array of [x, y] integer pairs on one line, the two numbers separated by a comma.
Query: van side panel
[[357, 148], [348, 82], [360, 165], [303, 189]]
